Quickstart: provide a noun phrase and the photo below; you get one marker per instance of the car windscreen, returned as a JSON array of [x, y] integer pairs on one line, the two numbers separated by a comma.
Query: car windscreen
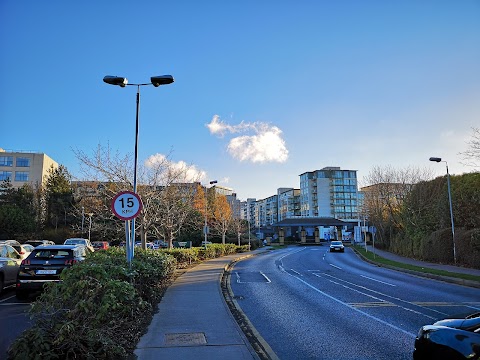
[[52, 254], [74, 242]]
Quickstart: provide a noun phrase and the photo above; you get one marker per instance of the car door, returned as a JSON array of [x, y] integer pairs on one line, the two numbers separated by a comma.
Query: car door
[[12, 262]]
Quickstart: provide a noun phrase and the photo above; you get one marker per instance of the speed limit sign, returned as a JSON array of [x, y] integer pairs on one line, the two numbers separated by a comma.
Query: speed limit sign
[[126, 205]]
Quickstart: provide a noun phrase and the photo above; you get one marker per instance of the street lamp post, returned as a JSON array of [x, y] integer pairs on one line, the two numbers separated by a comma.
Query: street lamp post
[[249, 235], [90, 224], [122, 82], [205, 228], [437, 159], [83, 218]]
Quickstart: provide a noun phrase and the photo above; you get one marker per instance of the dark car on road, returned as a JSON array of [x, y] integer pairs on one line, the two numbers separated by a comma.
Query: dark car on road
[[9, 263], [45, 264], [452, 339]]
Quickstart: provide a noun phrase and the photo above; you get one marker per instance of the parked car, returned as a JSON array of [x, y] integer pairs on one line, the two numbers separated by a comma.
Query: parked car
[[151, 246], [28, 249], [10, 261], [45, 264], [100, 245], [17, 246], [337, 246], [36, 243], [80, 241], [456, 338], [162, 244]]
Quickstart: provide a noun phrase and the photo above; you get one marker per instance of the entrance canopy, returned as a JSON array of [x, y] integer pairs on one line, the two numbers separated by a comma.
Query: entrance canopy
[[310, 221]]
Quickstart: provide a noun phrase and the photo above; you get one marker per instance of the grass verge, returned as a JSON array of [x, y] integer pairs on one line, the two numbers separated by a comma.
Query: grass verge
[[370, 256]]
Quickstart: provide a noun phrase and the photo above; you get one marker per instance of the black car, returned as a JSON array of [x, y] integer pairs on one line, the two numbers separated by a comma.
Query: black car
[[456, 338], [44, 264]]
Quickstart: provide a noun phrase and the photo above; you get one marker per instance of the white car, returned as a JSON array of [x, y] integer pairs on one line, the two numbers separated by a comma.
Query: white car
[[337, 246], [80, 241]]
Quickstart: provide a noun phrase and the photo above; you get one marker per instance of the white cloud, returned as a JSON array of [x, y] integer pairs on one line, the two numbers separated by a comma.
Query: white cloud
[[265, 145], [191, 172]]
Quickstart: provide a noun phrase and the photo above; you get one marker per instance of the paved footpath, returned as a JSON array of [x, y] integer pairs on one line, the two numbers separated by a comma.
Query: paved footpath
[[429, 265], [194, 322]]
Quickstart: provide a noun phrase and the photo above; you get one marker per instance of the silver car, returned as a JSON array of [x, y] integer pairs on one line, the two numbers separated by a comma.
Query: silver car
[[10, 261], [80, 241]]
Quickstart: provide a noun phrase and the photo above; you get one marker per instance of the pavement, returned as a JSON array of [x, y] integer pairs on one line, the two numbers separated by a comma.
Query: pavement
[[194, 322]]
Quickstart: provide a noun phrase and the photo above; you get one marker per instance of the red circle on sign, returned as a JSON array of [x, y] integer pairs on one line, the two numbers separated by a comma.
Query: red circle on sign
[[126, 205]]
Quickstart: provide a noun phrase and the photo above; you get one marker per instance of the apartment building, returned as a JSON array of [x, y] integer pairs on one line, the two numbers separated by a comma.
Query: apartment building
[[288, 203], [329, 192], [25, 167]]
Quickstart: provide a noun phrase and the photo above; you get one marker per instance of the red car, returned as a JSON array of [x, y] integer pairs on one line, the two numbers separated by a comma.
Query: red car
[[100, 245]]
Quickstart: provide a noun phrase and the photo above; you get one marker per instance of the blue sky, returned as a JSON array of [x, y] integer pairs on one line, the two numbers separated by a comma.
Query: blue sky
[[264, 90]]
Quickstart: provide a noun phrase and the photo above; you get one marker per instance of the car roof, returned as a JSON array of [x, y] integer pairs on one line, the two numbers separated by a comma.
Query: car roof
[[10, 242], [56, 247]]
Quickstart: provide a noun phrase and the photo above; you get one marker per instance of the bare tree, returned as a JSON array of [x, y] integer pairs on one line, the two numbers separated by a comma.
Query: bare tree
[[166, 190], [385, 195], [472, 154]]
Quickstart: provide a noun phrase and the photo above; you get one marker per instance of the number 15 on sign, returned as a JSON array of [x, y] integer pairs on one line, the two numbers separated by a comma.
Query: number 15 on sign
[[126, 205]]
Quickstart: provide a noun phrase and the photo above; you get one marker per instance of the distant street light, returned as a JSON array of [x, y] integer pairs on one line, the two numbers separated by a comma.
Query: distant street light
[[437, 159], [122, 82], [205, 229], [90, 224]]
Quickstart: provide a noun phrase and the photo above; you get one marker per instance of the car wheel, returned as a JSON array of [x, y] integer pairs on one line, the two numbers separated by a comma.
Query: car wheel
[[21, 294]]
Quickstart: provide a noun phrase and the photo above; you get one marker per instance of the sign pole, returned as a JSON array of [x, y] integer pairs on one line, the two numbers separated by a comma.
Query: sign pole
[[127, 239], [127, 205]]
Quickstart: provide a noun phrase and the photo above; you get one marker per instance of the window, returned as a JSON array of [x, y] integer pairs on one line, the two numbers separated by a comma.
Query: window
[[5, 175], [21, 175], [23, 162], [6, 160]]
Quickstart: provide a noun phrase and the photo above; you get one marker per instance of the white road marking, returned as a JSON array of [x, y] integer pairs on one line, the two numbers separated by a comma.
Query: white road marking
[[353, 308], [296, 272], [385, 295], [266, 277], [369, 278]]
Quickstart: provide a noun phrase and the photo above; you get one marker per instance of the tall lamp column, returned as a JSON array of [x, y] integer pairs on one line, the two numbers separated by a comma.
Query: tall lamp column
[[436, 159], [122, 82]]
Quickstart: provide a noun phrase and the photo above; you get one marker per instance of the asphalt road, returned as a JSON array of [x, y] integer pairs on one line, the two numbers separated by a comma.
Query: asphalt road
[[14, 319], [308, 303]]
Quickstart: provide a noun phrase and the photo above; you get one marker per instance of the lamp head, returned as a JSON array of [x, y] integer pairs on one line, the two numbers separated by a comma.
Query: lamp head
[[115, 80], [161, 80], [436, 159], [213, 182]]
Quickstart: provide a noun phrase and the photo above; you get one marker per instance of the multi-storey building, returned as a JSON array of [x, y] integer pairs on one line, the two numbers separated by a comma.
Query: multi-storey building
[[288, 203], [25, 167], [248, 210], [235, 205], [329, 192]]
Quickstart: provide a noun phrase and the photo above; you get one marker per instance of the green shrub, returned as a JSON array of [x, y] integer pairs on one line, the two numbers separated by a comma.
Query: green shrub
[[97, 300], [184, 257], [102, 306]]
